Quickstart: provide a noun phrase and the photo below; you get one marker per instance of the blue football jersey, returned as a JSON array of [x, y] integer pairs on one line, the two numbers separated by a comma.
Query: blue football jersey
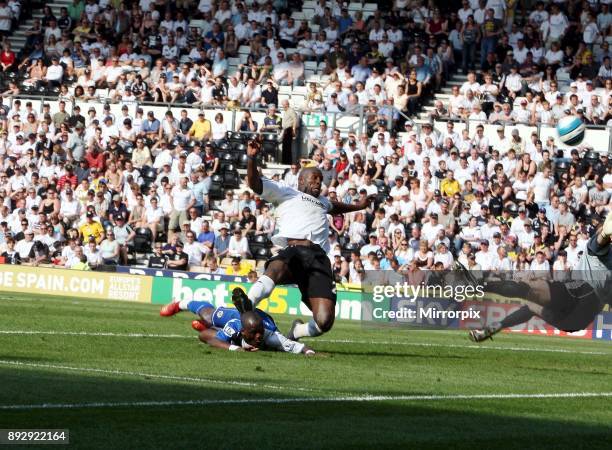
[[227, 322]]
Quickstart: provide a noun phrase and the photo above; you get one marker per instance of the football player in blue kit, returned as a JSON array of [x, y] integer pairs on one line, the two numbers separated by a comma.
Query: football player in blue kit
[[227, 328]]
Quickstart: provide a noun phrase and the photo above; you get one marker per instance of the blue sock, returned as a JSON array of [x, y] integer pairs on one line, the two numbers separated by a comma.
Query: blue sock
[[195, 306]]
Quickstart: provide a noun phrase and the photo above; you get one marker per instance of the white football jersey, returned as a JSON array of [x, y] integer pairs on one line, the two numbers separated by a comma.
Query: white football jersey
[[300, 215]]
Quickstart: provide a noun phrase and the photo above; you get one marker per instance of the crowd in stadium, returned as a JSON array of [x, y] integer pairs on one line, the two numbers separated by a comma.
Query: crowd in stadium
[[72, 194]]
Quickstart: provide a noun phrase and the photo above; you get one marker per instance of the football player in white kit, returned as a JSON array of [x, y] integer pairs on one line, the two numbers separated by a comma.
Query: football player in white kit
[[303, 231], [569, 305]]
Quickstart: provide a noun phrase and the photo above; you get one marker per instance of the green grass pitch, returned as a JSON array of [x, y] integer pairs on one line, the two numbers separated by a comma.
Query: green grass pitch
[[118, 376]]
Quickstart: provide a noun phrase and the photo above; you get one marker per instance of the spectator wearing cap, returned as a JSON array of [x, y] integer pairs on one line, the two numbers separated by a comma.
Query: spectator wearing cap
[[399, 189], [519, 221], [109, 129], [541, 220], [117, 208], [201, 128], [372, 246], [91, 228], [526, 237]]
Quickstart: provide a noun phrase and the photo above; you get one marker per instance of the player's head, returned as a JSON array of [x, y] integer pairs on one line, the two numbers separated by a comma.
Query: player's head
[[252, 328], [310, 180]]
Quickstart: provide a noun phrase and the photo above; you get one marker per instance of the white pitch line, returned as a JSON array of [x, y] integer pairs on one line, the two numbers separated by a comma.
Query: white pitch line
[[365, 398], [333, 341], [97, 333], [477, 347], [152, 375]]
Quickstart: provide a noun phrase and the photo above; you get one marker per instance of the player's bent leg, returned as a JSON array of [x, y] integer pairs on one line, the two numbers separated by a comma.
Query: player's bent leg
[[323, 315], [241, 301], [535, 294], [277, 272], [536, 297], [521, 315]]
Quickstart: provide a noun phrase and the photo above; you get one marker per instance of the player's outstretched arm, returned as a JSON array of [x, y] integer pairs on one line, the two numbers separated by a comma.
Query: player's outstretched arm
[[209, 337], [281, 343], [253, 178], [341, 208]]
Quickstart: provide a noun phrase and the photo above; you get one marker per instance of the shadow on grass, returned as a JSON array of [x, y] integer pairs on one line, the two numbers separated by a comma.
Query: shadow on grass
[[310, 425]]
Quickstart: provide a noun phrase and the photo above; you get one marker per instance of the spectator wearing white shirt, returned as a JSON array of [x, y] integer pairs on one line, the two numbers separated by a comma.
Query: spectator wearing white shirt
[[540, 263], [555, 27], [471, 84], [485, 257], [182, 199], [501, 263], [465, 11], [238, 245], [55, 72], [470, 234], [520, 51], [514, 82], [539, 15], [590, 32], [194, 249]]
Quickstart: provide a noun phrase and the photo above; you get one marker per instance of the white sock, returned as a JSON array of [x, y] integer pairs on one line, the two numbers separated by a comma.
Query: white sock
[[310, 329], [184, 305], [261, 289]]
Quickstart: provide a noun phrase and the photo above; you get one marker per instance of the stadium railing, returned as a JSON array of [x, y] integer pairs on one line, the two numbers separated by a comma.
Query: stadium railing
[[597, 137]]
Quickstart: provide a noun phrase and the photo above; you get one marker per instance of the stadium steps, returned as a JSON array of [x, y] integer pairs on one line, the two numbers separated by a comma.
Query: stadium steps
[[456, 79], [18, 37]]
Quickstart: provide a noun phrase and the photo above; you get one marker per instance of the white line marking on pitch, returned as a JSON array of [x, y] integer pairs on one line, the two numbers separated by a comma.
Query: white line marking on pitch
[[333, 341], [483, 346], [98, 333], [152, 375], [365, 398]]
